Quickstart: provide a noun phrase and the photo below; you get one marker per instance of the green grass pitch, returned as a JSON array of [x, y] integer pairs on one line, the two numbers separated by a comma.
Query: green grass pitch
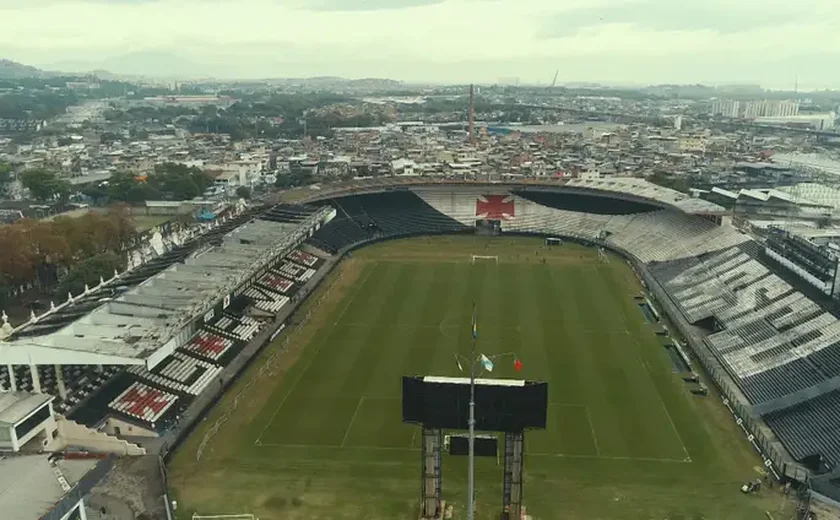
[[318, 435]]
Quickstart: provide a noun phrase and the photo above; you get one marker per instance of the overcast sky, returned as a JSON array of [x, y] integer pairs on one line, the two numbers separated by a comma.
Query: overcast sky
[[617, 41]]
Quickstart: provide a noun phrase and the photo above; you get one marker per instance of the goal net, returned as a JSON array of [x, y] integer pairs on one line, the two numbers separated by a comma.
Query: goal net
[[485, 258]]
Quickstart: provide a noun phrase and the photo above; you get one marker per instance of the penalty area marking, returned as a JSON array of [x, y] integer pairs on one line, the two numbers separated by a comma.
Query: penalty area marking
[[357, 447], [355, 413], [661, 401], [588, 419], [621, 314], [608, 457], [352, 419], [258, 441]]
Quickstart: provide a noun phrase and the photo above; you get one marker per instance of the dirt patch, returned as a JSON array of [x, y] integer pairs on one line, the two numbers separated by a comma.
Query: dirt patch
[[824, 511], [134, 486]]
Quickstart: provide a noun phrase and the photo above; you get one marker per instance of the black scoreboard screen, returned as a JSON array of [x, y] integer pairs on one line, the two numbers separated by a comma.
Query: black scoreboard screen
[[503, 405]]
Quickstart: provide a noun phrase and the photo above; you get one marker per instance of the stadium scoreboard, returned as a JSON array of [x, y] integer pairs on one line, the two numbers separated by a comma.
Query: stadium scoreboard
[[501, 405]]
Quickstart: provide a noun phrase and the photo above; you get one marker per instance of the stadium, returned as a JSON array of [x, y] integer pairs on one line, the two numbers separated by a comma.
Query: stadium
[[262, 359]]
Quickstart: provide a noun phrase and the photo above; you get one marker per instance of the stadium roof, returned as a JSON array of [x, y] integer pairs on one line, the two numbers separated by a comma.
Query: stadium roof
[[128, 329], [648, 190], [29, 487], [628, 186], [82, 304], [15, 406]]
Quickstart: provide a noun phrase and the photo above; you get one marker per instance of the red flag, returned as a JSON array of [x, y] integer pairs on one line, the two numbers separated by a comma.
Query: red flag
[[517, 365]]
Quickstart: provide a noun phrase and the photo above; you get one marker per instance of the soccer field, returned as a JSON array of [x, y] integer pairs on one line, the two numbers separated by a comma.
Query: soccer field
[[318, 433]]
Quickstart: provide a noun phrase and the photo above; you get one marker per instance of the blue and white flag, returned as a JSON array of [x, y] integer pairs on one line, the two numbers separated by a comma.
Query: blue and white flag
[[488, 364]]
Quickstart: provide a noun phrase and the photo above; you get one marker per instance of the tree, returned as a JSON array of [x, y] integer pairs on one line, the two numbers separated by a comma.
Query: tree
[[5, 178], [88, 272], [178, 182], [45, 185], [294, 180], [109, 138], [139, 134], [36, 250], [243, 192]]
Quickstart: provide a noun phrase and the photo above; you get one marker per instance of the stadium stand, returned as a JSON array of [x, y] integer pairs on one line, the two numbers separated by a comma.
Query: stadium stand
[[265, 300], [339, 233], [208, 345], [116, 329], [275, 282], [295, 271], [392, 214], [303, 258], [810, 428], [143, 403], [774, 342], [179, 373], [780, 348]]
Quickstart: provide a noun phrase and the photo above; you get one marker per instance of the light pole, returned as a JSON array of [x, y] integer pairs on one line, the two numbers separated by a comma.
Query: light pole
[[473, 359], [471, 423]]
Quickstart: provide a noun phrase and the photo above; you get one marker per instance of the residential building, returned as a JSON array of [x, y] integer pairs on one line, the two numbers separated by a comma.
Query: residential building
[[726, 108]]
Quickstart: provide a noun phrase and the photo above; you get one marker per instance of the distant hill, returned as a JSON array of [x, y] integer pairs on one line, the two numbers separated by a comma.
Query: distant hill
[[14, 70]]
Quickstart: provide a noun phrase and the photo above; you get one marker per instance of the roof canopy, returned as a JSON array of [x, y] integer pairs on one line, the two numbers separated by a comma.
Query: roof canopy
[[131, 328]]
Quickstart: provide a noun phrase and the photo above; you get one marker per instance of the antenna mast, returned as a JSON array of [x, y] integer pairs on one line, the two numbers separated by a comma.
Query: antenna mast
[[472, 116]]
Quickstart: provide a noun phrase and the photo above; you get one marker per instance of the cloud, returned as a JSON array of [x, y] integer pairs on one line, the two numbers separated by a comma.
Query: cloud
[[365, 5], [439, 40], [673, 15]]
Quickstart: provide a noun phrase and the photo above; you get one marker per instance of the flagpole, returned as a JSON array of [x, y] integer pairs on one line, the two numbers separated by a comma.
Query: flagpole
[[471, 476]]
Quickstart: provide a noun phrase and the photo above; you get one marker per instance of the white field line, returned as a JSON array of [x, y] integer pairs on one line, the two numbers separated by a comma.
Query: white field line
[[655, 389], [662, 402], [588, 418], [311, 360], [592, 429], [352, 419], [527, 454]]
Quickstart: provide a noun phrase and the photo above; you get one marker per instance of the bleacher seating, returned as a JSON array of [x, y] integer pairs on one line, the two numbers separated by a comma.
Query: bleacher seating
[[208, 345], [179, 373], [242, 328], [79, 381], [774, 342], [810, 428], [303, 258], [291, 213], [275, 282], [266, 300], [143, 403], [294, 271], [390, 214], [338, 234]]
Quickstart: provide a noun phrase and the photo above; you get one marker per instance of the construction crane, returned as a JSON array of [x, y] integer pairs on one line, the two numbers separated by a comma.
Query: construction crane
[[554, 81]]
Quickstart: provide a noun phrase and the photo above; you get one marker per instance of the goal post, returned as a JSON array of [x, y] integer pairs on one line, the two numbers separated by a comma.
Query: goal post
[[484, 258]]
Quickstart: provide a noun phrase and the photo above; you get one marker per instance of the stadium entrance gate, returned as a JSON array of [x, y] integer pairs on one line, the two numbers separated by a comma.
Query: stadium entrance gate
[[488, 227], [502, 405]]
